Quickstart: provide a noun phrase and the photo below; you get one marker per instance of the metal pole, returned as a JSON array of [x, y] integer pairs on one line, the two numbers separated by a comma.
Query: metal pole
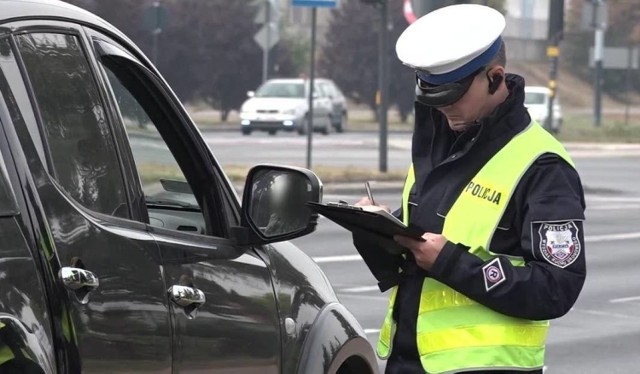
[[383, 86], [628, 90], [311, 77], [155, 32], [265, 51], [154, 47], [598, 50], [553, 87]]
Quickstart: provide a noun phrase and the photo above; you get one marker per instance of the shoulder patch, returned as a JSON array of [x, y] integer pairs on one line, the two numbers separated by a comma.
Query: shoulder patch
[[493, 274], [557, 242]]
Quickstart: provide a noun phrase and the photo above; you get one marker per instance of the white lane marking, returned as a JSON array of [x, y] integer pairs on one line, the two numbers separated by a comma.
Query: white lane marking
[[360, 289], [280, 141], [383, 298], [588, 239], [606, 314], [344, 258], [625, 299], [615, 207], [371, 331], [612, 237], [612, 199]]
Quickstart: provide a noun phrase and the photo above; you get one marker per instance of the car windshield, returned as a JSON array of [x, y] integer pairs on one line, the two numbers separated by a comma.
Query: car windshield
[[281, 89], [534, 98]]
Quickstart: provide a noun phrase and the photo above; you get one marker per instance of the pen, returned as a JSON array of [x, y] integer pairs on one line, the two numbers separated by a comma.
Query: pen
[[368, 188]]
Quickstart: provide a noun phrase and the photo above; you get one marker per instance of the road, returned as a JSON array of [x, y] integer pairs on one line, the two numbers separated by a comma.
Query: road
[[601, 334]]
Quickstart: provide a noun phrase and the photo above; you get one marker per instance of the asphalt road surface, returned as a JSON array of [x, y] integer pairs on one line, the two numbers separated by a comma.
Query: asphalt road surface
[[602, 332], [600, 335]]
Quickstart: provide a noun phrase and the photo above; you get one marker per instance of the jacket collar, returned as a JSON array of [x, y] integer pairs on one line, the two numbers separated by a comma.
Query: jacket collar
[[507, 120]]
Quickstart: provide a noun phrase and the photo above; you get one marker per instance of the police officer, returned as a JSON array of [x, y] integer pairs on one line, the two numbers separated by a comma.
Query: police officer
[[499, 200]]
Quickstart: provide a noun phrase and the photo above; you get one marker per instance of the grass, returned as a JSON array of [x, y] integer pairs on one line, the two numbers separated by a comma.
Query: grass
[[613, 129]]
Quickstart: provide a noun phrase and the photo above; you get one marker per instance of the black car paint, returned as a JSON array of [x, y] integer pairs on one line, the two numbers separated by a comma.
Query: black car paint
[[125, 326]]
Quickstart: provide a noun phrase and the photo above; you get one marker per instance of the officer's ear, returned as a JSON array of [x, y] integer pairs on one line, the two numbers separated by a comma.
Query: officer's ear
[[495, 76]]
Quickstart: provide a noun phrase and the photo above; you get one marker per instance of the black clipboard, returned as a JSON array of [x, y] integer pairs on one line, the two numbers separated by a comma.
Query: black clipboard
[[353, 218]]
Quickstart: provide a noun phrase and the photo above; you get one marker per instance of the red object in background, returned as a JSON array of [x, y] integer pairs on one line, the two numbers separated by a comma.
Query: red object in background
[[407, 9]]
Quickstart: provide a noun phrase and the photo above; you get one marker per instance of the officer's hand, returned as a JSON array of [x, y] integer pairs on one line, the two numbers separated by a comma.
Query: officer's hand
[[365, 201], [425, 252]]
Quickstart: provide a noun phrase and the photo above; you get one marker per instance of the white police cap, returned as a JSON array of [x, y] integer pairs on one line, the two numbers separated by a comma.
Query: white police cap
[[451, 43]]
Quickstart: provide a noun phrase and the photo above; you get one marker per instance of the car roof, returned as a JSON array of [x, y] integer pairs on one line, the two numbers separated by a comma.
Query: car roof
[[20, 10]]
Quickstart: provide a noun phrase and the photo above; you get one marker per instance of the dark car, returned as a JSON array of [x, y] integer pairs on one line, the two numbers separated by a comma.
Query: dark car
[[123, 247]]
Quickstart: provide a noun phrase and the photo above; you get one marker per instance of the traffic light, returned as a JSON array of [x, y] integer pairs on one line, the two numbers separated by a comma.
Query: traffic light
[[556, 21]]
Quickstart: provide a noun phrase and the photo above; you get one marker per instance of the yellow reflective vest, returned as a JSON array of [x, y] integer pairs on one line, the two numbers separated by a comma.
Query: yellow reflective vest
[[455, 333]]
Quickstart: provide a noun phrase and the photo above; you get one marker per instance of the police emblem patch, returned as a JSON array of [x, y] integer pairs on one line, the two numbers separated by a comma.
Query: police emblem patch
[[493, 274], [559, 243]]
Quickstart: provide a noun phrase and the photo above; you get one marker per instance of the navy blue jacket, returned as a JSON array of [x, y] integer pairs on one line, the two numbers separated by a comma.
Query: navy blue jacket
[[547, 202]]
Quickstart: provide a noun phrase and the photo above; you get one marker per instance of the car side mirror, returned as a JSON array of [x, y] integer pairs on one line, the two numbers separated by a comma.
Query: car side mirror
[[274, 204], [251, 94]]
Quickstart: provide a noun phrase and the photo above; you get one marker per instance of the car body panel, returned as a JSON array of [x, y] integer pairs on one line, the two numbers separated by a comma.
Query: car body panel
[[237, 328], [339, 337], [262, 303], [339, 112], [537, 103]]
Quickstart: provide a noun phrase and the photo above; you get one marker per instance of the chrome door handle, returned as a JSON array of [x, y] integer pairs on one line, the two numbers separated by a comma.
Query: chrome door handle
[[81, 281], [189, 298]]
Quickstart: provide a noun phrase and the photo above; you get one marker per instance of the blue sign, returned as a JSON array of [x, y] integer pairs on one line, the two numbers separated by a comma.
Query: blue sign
[[316, 3]]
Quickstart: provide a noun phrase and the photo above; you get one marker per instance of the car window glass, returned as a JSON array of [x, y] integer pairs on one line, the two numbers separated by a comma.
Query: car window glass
[[321, 90], [336, 90], [11, 71], [326, 88], [534, 98], [170, 200], [80, 142], [281, 89]]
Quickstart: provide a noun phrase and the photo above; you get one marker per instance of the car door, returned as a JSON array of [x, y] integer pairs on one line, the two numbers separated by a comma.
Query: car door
[[321, 105], [335, 106], [222, 298], [108, 296]]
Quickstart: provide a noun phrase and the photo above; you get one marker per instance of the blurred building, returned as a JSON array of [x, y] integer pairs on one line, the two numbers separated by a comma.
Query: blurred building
[[526, 30], [525, 33], [527, 27]]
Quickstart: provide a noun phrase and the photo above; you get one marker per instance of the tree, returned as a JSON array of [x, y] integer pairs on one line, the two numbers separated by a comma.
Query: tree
[[206, 52], [126, 15], [350, 55]]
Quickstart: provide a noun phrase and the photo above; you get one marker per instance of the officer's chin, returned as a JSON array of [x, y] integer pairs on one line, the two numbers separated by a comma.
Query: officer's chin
[[460, 126]]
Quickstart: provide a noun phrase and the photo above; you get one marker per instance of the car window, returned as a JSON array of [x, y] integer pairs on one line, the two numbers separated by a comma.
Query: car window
[[164, 184], [322, 90], [534, 98], [174, 179], [281, 89], [80, 142], [326, 88], [336, 90], [19, 92]]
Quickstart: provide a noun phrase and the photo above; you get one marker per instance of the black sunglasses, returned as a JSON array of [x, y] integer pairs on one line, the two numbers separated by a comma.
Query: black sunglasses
[[443, 94]]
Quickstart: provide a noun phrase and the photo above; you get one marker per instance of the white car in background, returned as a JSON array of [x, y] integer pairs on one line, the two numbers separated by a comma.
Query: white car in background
[[283, 104], [338, 102], [536, 99]]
